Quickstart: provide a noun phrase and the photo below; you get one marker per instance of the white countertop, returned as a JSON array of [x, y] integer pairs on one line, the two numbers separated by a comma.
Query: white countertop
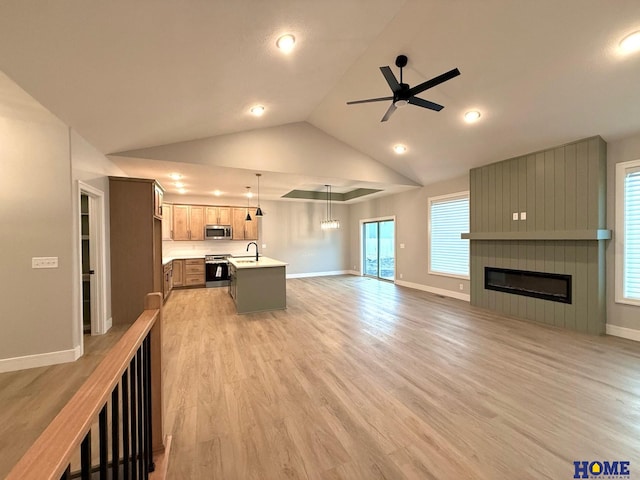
[[250, 262], [166, 260]]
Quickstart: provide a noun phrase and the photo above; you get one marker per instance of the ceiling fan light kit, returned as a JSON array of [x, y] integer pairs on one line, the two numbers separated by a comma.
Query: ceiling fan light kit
[[403, 93]]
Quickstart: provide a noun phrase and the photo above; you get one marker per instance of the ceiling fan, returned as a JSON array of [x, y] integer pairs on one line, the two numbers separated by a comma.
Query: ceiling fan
[[403, 94]]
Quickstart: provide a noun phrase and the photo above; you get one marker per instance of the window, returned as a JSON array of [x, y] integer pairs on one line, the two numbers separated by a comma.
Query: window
[[448, 218], [628, 232]]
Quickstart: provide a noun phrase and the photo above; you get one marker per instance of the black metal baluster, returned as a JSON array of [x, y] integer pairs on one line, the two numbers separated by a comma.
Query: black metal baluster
[[115, 434], [132, 409], [125, 425], [103, 435], [141, 441], [85, 457], [147, 376], [67, 474]]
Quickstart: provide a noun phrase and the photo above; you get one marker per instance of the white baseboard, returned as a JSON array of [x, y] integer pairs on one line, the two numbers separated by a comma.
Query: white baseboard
[[109, 324], [39, 360], [354, 272], [318, 274], [629, 333], [438, 291]]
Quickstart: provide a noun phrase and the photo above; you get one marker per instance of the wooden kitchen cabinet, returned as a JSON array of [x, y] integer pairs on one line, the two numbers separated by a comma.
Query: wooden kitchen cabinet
[[188, 222], [168, 279], [167, 221], [178, 273], [218, 216], [243, 229], [157, 201], [194, 272], [136, 246]]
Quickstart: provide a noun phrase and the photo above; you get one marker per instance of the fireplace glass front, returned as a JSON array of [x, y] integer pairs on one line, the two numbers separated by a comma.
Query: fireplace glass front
[[548, 286]]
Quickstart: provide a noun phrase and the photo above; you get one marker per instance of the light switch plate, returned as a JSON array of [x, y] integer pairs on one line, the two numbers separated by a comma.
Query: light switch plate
[[402, 245], [44, 262], [523, 215], [515, 215]]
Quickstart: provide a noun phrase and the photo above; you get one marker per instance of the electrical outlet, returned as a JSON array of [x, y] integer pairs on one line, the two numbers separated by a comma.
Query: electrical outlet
[[523, 215], [462, 286], [354, 267], [400, 275], [44, 262], [264, 245], [515, 215]]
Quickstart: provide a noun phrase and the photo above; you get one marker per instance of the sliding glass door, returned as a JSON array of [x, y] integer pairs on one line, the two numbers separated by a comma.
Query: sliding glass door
[[378, 247]]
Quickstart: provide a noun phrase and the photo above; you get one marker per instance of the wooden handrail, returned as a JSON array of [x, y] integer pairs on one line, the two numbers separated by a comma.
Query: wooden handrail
[[50, 454]]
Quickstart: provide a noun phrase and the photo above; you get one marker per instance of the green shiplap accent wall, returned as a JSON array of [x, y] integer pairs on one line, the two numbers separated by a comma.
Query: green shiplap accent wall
[[563, 192]]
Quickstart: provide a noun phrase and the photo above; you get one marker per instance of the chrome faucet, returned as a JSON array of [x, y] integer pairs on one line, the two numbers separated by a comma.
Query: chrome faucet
[[253, 243]]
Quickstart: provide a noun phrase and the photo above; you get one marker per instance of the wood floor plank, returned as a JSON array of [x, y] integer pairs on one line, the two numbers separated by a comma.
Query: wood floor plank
[[361, 379]]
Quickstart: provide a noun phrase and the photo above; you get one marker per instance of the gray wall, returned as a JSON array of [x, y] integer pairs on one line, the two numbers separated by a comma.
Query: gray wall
[[42, 159], [622, 150], [35, 214], [411, 212]]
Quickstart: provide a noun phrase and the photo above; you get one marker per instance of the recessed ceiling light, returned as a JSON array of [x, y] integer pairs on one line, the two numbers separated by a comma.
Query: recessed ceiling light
[[631, 42], [286, 43], [175, 176], [182, 190], [257, 110], [179, 184], [399, 148], [249, 194], [472, 116], [217, 193]]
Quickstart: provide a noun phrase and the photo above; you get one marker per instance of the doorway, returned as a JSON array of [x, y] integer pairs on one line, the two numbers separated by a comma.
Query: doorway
[[92, 265], [378, 249]]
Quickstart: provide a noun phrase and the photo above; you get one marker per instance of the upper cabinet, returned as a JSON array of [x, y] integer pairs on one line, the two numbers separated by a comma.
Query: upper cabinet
[[158, 194], [244, 229], [167, 221], [218, 216], [188, 222]]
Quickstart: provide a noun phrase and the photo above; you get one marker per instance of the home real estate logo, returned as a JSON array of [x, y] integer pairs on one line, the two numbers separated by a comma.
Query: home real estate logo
[[601, 469]]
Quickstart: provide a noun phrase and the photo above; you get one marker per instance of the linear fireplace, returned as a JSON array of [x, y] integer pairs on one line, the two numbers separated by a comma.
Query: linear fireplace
[[548, 286]]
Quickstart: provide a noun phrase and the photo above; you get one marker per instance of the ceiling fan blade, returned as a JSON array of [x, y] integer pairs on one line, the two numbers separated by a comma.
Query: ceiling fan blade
[[392, 108], [434, 81], [381, 99], [425, 103], [391, 79]]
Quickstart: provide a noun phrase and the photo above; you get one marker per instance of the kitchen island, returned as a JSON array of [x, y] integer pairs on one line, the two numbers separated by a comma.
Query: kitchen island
[[257, 286]]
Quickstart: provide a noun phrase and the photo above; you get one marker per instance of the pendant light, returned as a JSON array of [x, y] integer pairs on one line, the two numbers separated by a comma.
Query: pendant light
[[329, 223], [258, 210], [248, 218]]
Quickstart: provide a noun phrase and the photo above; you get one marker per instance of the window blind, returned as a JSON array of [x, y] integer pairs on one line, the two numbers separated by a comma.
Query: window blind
[[631, 274], [449, 254]]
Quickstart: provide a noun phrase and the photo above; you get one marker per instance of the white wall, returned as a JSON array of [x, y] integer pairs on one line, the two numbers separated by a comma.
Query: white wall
[[289, 229], [411, 212], [623, 150]]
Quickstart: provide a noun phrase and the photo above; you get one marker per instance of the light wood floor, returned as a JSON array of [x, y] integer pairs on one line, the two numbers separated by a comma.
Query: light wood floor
[[361, 379], [30, 399]]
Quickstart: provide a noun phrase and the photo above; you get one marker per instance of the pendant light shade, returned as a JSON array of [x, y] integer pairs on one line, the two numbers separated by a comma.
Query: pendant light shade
[[248, 217], [258, 210], [329, 223]]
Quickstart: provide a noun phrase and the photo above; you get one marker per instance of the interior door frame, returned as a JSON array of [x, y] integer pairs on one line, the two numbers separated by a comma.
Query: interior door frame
[[395, 245], [98, 259]]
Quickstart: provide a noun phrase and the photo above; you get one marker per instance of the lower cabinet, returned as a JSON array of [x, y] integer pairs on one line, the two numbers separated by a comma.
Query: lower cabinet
[[194, 272], [168, 280], [178, 273]]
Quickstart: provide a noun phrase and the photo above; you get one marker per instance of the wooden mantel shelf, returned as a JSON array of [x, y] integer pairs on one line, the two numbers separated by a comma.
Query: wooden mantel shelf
[[594, 234]]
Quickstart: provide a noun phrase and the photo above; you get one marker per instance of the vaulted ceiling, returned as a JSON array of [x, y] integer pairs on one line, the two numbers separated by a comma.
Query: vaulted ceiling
[[135, 77]]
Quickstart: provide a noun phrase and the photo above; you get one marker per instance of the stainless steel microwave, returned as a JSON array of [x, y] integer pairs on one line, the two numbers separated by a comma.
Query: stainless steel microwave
[[217, 232]]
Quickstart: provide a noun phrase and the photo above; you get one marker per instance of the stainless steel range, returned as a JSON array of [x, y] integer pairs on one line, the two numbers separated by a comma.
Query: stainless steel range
[[217, 270]]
